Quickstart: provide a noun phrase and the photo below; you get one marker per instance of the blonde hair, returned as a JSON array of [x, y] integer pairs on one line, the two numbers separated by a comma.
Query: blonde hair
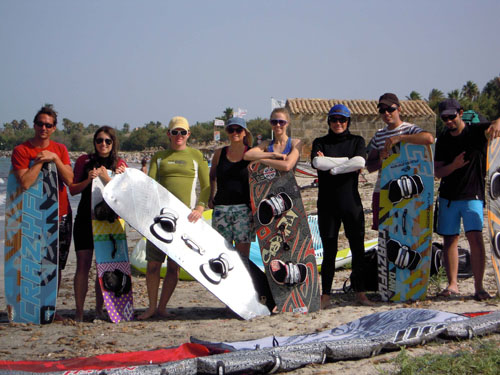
[[283, 111]]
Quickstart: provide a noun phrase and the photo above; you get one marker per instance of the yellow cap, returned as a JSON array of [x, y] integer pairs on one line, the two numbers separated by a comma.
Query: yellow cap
[[178, 122]]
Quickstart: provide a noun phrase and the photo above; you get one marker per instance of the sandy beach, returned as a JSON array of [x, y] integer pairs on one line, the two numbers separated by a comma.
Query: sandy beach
[[196, 312]]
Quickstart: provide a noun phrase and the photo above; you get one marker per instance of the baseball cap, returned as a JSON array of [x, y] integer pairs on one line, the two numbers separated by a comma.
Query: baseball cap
[[178, 122], [339, 109], [388, 99], [241, 122], [449, 107]]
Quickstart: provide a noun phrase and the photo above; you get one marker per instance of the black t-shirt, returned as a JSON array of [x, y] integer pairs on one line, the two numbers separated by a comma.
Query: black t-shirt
[[341, 188], [466, 182]]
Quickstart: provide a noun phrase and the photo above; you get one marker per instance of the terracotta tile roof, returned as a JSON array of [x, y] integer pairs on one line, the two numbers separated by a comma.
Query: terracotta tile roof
[[357, 107]]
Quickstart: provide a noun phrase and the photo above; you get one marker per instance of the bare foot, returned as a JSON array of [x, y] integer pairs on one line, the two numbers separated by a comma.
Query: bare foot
[[149, 313], [362, 299], [164, 314], [99, 314], [79, 316], [325, 301]]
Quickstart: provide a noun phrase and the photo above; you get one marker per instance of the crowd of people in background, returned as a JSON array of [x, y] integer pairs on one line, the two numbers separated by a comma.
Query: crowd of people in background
[[339, 156]]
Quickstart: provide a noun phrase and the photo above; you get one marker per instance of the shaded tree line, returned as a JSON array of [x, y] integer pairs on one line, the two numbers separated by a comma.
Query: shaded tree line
[[78, 137]]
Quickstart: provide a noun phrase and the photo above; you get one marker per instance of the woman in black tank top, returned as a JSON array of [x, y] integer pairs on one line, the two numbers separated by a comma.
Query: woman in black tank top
[[229, 188]]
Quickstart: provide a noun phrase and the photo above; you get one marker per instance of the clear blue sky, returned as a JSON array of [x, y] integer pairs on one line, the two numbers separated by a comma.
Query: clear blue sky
[[116, 61]]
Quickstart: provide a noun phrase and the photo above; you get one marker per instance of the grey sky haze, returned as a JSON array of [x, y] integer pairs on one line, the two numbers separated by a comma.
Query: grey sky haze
[[116, 61]]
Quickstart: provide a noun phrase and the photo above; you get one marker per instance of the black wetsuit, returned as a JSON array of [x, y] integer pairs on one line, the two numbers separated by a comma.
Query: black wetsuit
[[339, 202]]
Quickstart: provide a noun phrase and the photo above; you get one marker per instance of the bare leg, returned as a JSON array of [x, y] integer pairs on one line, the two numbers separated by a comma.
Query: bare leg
[[243, 248], [168, 288], [450, 251], [81, 281], [477, 259], [152, 283], [99, 300]]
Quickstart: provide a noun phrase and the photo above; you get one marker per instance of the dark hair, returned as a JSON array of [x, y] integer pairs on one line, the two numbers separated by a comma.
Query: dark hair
[[112, 159], [46, 110]]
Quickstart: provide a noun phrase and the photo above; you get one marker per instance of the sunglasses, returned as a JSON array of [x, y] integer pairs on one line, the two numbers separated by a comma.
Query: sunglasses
[[231, 129], [382, 110], [275, 122], [449, 117], [181, 132], [335, 119], [46, 124], [108, 141]]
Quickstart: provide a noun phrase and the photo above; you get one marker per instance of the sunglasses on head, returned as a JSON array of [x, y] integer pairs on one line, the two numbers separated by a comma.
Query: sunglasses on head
[[41, 124], [449, 117], [232, 129], [382, 110], [340, 119], [181, 132], [108, 141], [279, 122]]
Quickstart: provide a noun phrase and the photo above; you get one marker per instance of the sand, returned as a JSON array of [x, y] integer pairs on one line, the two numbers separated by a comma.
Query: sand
[[196, 312]]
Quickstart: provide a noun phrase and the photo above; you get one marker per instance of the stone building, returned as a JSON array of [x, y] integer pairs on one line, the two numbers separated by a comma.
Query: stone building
[[308, 118]]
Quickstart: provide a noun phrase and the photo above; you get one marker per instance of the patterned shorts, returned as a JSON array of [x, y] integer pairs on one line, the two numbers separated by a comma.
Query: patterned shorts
[[65, 231], [234, 223]]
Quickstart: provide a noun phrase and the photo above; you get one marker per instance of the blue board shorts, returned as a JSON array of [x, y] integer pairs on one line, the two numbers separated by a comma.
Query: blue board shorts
[[234, 223], [450, 213]]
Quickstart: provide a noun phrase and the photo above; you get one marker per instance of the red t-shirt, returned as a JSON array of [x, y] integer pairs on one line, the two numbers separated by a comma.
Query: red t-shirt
[[26, 152]]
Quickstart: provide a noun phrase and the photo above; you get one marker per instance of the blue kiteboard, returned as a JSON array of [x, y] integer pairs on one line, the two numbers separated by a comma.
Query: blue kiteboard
[[405, 223], [31, 248]]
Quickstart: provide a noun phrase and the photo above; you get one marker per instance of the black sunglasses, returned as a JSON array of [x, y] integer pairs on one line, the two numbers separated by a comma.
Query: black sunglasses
[[181, 132], [449, 117], [108, 141], [382, 110], [279, 122], [41, 124], [232, 129], [340, 119]]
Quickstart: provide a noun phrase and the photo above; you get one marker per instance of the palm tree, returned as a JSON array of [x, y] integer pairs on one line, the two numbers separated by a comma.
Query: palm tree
[[454, 94], [228, 113], [414, 96], [470, 91], [435, 97]]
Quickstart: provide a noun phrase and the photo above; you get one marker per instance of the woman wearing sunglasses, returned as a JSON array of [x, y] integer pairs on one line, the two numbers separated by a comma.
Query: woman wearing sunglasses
[[282, 152], [87, 168], [338, 157], [232, 216], [178, 169]]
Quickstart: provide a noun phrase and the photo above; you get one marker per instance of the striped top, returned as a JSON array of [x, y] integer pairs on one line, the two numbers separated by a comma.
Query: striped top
[[378, 140]]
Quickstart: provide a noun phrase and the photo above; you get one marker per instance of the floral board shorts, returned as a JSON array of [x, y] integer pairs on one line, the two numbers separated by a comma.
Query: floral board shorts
[[234, 223]]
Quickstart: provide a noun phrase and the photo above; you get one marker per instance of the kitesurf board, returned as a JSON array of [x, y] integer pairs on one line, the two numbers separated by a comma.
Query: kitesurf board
[[31, 248], [493, 205], [405, 217], [284, 238], [111, 254], [139, 263], [163, 219]]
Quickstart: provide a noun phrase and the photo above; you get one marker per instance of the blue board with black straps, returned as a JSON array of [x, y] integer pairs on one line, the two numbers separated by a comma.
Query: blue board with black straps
[[31, 248], [405, 223]]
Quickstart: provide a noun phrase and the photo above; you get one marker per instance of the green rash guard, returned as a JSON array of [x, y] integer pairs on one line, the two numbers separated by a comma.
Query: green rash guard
[[178, 171]]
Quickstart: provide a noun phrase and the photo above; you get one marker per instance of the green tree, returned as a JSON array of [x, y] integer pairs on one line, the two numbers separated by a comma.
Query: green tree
[[470, 91], [227, 114], [414, 96], [454, 94]]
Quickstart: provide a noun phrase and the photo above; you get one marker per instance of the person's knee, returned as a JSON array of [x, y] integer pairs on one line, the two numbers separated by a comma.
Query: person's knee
[[153, 267]]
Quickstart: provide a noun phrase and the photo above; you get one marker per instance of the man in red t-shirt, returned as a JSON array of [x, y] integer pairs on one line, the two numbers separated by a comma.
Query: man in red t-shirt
[[37, 151]]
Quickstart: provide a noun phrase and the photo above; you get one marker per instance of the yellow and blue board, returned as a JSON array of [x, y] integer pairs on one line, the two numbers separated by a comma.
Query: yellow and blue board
[[405, 223], [31, 248], [111, 253], [493, 200]]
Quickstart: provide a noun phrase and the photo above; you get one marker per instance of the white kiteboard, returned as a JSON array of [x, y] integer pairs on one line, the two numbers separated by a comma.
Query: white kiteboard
[[162, 218]]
